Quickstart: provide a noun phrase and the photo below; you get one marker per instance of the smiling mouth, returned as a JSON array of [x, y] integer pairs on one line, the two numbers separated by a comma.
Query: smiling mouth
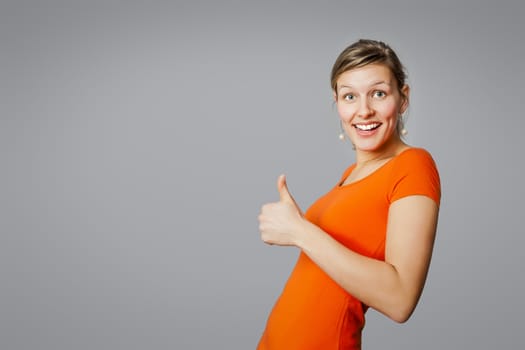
[[367, 127]]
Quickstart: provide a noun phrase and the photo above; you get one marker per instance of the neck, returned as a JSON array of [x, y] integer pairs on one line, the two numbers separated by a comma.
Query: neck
[[387, 151]]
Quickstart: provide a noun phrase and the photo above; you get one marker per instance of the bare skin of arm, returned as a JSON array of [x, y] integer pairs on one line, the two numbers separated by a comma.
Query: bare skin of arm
[[393, 286]]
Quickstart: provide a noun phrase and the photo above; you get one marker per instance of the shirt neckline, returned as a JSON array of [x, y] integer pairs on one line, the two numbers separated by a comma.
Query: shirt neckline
[[352, 167]]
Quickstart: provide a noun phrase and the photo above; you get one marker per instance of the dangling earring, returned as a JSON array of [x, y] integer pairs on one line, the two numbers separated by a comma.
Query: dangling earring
[[402, 130], [342, 133]]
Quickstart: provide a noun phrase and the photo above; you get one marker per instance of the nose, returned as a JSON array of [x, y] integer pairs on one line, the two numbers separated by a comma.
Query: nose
[[365, 109]]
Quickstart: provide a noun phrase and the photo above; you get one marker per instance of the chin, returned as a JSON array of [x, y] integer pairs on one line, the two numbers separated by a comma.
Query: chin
[[368, 147], [373, 145]]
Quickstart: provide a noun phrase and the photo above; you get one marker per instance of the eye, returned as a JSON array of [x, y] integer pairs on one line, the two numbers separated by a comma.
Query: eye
[[379, 94], [348, 97]]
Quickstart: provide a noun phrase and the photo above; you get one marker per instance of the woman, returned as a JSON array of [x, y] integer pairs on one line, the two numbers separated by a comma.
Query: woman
[[367, 242]]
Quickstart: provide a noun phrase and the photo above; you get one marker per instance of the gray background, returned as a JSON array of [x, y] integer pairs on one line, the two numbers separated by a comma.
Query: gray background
[[138, 141]]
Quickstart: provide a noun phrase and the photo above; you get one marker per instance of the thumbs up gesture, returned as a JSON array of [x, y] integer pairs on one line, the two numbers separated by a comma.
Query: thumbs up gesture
[[280, 222]]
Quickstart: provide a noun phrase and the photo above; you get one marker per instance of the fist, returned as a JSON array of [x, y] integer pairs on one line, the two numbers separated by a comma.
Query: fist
[[280, 222]]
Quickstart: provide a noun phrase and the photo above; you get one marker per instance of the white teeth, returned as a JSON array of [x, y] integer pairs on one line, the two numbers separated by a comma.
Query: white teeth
[[367, 126]]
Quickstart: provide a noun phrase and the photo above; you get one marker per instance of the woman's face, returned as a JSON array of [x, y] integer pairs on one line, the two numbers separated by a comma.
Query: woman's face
[[369, 102]]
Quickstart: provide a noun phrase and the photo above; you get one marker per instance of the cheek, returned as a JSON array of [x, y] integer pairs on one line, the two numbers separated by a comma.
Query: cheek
[[345, 112], [389, 111]]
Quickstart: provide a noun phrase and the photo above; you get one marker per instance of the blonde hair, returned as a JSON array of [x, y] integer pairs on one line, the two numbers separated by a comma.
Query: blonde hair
[[364, 52]]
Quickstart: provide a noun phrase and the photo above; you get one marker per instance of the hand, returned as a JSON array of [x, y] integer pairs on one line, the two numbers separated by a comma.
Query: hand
[[280, 222]]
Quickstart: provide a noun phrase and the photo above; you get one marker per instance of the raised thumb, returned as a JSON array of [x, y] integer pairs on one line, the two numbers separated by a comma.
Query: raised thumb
[[283, 190]]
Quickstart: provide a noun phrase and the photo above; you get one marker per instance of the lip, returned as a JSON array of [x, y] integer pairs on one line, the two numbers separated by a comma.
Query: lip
[[366, 128]]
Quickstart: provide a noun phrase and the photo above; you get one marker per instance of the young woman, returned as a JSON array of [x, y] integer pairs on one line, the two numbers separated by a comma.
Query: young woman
[[367, 242]]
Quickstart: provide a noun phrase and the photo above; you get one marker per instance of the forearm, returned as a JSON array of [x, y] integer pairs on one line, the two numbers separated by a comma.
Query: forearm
[[376, 283]]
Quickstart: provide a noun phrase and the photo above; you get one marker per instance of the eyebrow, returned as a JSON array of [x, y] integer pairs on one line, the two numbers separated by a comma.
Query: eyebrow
[[373, 84]]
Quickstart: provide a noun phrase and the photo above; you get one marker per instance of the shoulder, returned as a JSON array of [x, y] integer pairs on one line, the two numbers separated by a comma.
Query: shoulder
[[415, 172], [415, 155], [415, 160]]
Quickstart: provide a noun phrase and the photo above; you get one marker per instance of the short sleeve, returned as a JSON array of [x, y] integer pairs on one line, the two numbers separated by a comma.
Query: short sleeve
[[415, 173]]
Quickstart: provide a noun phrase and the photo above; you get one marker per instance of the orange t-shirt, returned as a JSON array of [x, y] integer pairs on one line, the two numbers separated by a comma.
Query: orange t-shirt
[[314, 312]]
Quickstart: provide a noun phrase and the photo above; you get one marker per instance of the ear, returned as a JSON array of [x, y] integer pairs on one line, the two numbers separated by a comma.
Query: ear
[[335, 96], [406, 95]]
